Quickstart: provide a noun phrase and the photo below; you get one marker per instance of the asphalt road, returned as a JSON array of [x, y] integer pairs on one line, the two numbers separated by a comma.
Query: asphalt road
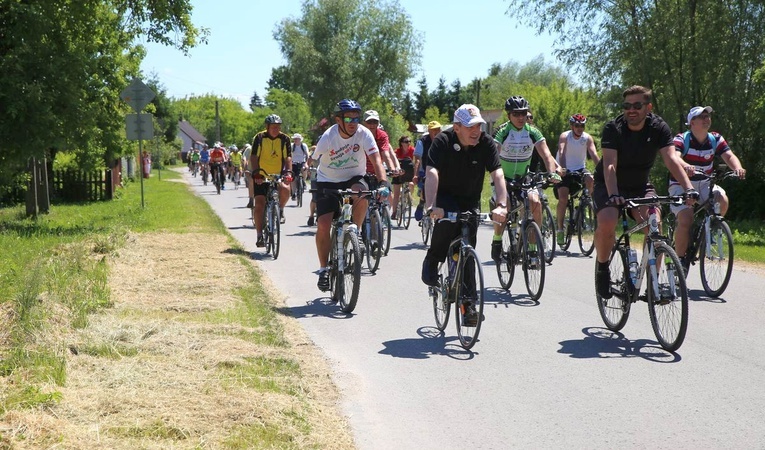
[[544, 374]]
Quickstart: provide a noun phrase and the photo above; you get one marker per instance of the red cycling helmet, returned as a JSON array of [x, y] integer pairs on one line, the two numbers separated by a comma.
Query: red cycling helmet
[[578, 118]]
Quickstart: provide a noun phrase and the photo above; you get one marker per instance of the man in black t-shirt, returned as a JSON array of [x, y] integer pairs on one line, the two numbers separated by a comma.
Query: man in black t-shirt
[[456, 164], [630, 144]]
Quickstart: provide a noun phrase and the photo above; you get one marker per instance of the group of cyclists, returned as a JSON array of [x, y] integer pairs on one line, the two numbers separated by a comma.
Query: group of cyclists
[[449, 167], [219, 163]]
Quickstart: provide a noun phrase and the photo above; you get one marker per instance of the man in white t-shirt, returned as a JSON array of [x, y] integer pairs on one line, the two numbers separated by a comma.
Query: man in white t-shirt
[[342, 152], [573, 147], [299, 158]]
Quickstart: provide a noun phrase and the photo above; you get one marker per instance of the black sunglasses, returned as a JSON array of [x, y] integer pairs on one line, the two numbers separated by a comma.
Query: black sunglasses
[[637, 105]]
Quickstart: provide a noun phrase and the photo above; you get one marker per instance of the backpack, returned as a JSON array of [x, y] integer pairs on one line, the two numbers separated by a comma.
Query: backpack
[[687, 141]]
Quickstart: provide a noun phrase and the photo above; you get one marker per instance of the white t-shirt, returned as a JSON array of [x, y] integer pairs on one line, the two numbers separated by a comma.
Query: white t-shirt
[[343, 159], [299, 154], [576, 151]]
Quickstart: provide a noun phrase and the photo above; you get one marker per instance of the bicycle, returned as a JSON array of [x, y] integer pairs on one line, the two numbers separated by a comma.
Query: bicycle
[[300, 182], [372, 234], [547, 226], [521, 238], [194, 168], [271, 216], [426, 229], [666, 292], [460, 281], [404, 208], [345, 254], [710, 236], [236, 177], [205, 172], [580, 219]]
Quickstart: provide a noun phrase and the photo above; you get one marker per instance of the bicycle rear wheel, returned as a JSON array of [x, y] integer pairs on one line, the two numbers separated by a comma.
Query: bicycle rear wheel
[[668, 308], [274, 230], [585, 227], [469, 288], [547, 229], [506, 264], [716, 260], [386, 224], [351, 275], [440, 297], [427, 225], [616, 310], [533, 259]]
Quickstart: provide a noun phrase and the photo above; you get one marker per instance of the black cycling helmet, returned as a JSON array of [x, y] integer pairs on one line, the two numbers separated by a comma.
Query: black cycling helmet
[[273, 118], [347, 105], [578, 118], [516, 103]]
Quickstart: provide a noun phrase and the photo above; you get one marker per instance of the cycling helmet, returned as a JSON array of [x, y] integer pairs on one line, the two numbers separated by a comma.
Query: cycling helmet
[[273, 118], [233, 148], [347, 105], [516, 103], [578, 118]]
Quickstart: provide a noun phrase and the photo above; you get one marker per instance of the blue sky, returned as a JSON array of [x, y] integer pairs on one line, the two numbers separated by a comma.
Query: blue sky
[[461, 42]]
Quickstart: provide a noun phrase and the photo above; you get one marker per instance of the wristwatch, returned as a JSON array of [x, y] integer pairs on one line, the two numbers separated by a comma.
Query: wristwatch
[[502, 205]]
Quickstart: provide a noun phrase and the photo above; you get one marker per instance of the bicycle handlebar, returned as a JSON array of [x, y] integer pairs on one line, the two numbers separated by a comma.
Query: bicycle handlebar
[[661, 200]]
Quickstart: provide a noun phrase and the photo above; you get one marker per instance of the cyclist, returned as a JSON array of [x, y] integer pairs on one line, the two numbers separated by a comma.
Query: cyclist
[[299, 157], [194, 158], [235, 158], [270, 152], [573, 147], [204, 160], [217, 163], [698, 147], [372, 122], [456, 165], [246, 154], [404, 155], [420, 155], [342, 154], [313, 164], [630, 144], [518, 140]]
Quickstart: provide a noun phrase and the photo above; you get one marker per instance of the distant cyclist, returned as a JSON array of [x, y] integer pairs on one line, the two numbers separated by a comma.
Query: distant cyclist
[[404, 155], [299, 158], [204, 160], [699, 147], [573, 147], [235, 160], [421, 150]]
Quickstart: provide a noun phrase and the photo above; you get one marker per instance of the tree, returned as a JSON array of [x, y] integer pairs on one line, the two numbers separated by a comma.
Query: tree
[[348, 49], [440, 97], [255, 101], [292, 108], [422, 99]]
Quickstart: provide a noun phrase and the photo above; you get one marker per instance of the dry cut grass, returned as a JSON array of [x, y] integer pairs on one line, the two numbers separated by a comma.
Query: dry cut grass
[[192, 355]]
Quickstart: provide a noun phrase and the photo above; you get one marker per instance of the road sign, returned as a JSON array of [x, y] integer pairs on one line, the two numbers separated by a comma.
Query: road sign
[[139, 127], [137, 95]]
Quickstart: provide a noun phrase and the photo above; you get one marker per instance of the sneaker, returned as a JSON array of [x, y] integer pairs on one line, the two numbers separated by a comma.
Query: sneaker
[[418, 213], [429, 272], [603, 283], [470, 317], [283, 219], [496, 251], [561, 238], [310, 221], [323, 283], [260, 242], [293, 196], [249, 204]]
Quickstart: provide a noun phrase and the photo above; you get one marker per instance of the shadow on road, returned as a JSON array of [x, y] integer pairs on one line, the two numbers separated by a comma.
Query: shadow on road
[[603, 343], [304, 233], [430, 342], [237, 251], [411, 246], [700, 295], [318, 307], [497, 297]]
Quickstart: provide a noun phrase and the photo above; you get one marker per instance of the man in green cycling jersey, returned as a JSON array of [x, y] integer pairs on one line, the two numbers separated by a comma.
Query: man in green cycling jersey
[[518, 140]]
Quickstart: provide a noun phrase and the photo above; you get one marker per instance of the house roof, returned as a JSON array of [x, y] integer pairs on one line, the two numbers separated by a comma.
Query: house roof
[[186, 128]]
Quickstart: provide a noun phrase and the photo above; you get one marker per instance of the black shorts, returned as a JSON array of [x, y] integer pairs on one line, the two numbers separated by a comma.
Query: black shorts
[[600, 194], [296, 169], [329, 203], [572, 180], [259, 189], [408, 167]]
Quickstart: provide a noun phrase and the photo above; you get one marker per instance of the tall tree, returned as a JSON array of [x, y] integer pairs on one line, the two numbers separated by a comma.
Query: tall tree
[[422, 99], [348, 49], [255, 101], [440, 97]]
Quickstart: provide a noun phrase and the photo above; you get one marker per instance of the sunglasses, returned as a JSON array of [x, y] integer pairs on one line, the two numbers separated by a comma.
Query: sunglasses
[[637, 105], [407, 141], [578, 125], [518, 113], [351, 119]]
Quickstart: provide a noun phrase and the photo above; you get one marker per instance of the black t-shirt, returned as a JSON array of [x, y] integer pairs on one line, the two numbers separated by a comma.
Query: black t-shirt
[[636, 150], [461, 170]]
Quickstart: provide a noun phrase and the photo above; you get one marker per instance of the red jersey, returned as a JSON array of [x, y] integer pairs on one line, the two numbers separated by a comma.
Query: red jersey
[[217, 155], [383, 144], [407, 153]]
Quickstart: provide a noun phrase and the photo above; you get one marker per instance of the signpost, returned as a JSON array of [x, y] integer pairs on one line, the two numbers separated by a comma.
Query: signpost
[[138, 127]]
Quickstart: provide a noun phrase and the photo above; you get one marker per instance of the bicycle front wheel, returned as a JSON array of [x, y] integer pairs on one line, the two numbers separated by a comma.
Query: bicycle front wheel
[[386, 228], [406, 211], [469, 297], [375, 247], [533, 259], [300, 190], [667, 298], [585, 227], [427, 225], [716, 259], [350, 280], [400, 210], [616, 310], [440, 297], [548, 233], [506, 264], [568, 226], [274, 230]]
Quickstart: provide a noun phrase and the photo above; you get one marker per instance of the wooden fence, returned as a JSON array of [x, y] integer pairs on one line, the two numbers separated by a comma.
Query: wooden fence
[[81, 186]]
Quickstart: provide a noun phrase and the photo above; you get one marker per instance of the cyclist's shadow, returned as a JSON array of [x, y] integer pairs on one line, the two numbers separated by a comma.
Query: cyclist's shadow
[[318, 307], [430, 343], [496, 297], [602, 343]]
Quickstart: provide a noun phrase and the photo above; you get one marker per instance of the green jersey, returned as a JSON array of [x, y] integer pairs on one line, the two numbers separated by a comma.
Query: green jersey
[[516, 147]]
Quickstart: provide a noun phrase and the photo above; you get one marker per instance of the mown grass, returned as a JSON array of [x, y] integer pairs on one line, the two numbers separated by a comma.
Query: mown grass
[[54, 273]]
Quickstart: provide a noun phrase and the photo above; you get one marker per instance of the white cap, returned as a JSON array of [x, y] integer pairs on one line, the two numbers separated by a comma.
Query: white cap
[[697, 110], [297, 136], [468, 115], [371, 115]]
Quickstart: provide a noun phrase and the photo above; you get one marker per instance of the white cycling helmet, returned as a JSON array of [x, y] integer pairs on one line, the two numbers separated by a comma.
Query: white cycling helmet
[[297, 136]]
